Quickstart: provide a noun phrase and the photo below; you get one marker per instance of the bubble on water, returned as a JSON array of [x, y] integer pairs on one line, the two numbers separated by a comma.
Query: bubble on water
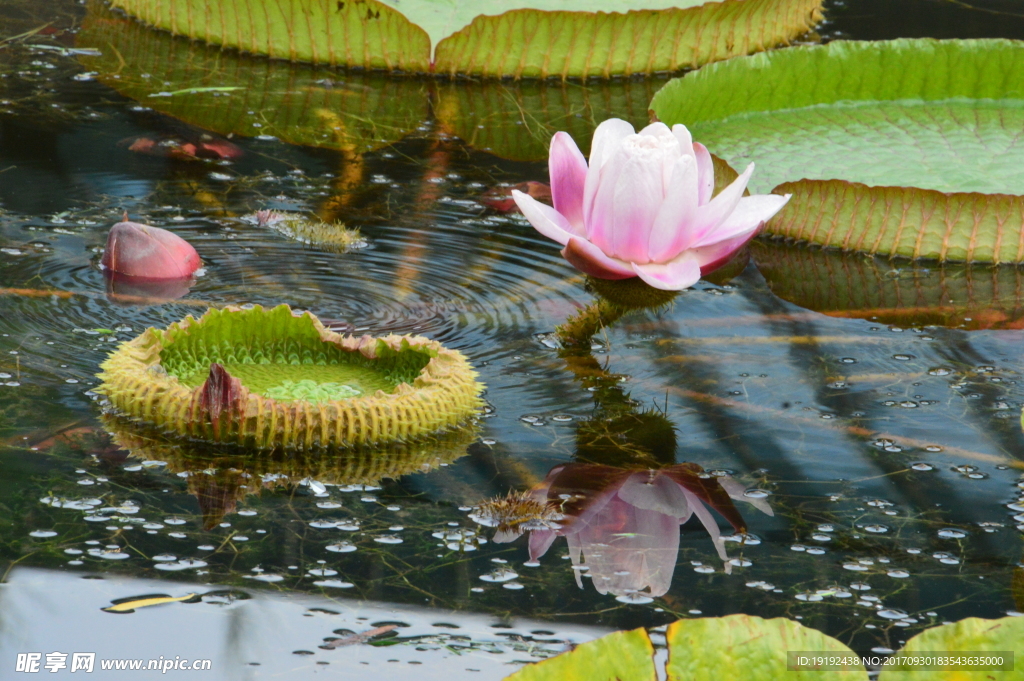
[[174, 521], [821, 537], [108, 554], [322, 572], [898, 574], [940, 371], [512, 586], [922, 466], [855, 567], [328, 504], [341, 547], [798, 547], [704, 569], [826, 528], [876, 529], [847, 360], [757, 493], [634, 599], [952, 533], [500, 575], [816, 550], [740, 562], [744, 538], [809, 596], [561, 418], [860, 586], [334, 584], [42, 534], [388, 539], [323, 524], [892, 614], [183, 564], [95, 519], [266, 577], [164, 557], [903, 358]]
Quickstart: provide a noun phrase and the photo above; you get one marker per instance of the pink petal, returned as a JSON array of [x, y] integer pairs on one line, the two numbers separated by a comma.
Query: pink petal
[[719, 208], [599, 213], [717, 255], [709, 523], [540, 542], [736, 490], [607, 139], [672, 231], [638, 196], [749, 214], [706, 173], [146, 252], [658, 493], [544, 218], [588, 258], [568, 170], [674, 275]]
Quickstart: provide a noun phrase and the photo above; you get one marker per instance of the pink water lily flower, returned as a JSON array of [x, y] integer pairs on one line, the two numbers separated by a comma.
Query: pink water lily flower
[[643, 208]]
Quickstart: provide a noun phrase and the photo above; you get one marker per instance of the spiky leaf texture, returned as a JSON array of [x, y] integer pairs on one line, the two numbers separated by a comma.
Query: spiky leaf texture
[[902, 147], [207, 379], [612, 37]]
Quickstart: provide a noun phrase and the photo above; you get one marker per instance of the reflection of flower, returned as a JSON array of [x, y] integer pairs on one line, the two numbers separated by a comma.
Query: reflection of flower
[[644, 207], [624, 524]]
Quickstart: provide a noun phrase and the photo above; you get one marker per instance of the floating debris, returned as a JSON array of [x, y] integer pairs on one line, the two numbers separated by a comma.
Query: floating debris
[[334, 236]]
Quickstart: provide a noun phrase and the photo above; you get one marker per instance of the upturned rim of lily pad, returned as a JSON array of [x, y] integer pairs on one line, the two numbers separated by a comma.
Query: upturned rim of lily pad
[[181, 380]]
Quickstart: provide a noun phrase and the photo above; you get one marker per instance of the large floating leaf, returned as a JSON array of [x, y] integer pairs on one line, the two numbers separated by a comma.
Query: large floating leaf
[[858, 286], [621, 656], [746, 647], [921, 139], [230, 93], [522, 39], [702, 649], [969, 635]]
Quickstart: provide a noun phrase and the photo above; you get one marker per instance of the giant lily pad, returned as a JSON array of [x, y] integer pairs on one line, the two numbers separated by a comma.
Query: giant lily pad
[[904, 147], [972, 635], [271, 378], [521, 38], [701, 649], [859, 286]]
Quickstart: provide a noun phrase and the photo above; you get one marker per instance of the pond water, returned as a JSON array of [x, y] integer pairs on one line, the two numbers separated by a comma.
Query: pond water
[[870, 409]]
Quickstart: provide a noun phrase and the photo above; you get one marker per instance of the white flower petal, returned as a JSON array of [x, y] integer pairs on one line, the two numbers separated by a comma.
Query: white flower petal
[[672, 230], [544, 218], [674, 275], [719, 208], [750, 212]]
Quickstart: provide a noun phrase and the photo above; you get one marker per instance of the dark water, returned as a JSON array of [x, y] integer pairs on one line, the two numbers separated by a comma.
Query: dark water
[[877, 402]]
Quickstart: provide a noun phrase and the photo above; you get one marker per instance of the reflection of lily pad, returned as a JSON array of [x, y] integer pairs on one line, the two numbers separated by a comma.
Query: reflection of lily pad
[[233, 94], [221, 475], [522, 40], [896, 125], [906, 294], [214, 378]]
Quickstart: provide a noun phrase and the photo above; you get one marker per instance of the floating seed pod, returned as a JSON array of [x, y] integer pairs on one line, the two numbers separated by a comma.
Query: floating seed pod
[[279, 379], [332, 236]]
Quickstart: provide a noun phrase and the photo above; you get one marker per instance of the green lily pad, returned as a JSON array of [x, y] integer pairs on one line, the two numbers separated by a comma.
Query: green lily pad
[[968, 635], [905, 294], [904, 147], [516, 38], [701, 649], [742, 646], [620, 656]]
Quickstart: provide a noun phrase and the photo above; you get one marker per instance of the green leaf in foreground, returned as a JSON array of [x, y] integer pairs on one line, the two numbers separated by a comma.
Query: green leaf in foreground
[[937, 123], [621, 656], [523, 38], [746, 647], [905, 294], [969, 635]]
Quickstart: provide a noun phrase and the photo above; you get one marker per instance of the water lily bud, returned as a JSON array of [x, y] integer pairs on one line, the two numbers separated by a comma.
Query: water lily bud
[[146, 252]]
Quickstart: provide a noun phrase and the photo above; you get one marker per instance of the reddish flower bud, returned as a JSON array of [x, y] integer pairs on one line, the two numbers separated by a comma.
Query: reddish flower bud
[[148, 252]]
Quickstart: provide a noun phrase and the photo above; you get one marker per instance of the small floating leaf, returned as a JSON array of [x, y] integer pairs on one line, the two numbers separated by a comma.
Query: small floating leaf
[[127, 605]]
